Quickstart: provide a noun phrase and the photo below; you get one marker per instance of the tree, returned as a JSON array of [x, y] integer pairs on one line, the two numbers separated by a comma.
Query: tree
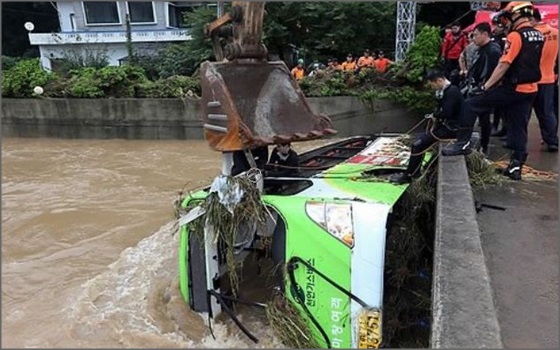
[[325, 29], [186, 57]]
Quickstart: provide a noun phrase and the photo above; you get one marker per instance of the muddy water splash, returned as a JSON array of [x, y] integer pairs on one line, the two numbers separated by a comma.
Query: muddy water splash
[[88, 251]]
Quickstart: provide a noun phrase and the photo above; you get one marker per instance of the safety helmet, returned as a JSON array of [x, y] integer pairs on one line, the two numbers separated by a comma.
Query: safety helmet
[[524, 8], [300, 61]]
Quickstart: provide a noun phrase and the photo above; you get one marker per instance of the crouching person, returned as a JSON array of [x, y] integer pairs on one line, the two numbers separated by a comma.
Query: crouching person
[[284, 161], [450, 103]]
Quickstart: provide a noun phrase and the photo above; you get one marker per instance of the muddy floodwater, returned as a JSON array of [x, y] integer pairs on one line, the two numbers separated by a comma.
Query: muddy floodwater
[[88, 250]]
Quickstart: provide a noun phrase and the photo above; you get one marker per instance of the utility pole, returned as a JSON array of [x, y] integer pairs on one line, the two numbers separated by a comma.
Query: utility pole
[[129, 40]]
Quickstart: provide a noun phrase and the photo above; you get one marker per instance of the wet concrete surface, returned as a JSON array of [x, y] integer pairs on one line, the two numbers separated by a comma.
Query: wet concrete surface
[[520, 245]]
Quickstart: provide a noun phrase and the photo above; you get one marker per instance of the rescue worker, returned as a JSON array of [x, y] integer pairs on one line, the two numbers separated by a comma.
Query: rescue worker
[[284, 161], [450, 104], [513, 84], [499, 33], [544, 102], [484, 62], [349, 65], [366, 61], [333, 65], [453, 44], [298, 72], [382, 63]]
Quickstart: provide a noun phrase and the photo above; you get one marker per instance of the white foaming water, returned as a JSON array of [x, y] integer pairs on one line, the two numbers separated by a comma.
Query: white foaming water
[[136, 303]]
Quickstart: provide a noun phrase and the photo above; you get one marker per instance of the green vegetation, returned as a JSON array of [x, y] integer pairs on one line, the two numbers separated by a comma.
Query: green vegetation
[[20, 80]]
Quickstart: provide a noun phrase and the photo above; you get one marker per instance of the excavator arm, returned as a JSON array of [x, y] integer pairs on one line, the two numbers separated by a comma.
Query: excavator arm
[[248, 101]]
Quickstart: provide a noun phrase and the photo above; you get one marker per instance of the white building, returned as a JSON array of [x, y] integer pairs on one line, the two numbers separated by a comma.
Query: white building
[[98, 29]]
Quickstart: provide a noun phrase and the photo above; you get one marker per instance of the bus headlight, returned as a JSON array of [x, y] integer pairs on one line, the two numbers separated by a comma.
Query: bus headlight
[[335, 218]]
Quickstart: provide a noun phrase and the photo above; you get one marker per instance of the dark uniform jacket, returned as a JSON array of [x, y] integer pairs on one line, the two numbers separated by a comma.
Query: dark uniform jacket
[[292, 161]]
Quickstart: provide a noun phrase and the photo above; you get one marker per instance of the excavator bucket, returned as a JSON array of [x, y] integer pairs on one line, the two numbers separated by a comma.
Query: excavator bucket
[[249, 103]]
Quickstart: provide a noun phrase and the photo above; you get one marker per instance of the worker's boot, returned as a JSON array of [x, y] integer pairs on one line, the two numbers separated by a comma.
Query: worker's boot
[[463, 145], [400, 179], [513, 171], [457, 149]]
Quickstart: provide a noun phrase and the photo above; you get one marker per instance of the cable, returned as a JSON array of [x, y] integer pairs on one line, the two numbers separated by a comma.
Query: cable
[[326, 278], [292, 266], [230, 313], [292, 277]]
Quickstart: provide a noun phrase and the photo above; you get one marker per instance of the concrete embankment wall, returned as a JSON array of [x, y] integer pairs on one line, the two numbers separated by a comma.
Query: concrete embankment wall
[[463, 310], [172, 118]]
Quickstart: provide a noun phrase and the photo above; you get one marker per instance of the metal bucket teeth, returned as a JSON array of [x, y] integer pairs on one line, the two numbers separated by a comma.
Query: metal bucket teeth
[[250, 103]]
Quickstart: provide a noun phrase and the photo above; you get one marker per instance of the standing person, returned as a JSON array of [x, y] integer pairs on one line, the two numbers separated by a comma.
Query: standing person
[[366, 61], [499, 33], [450, 104], [298, 72], [513, 84], [544, 102], [453, 44], [466, 59], [284, 161], [447, 30], [349, 65], [484, 62], [382, 63], [333, 65]]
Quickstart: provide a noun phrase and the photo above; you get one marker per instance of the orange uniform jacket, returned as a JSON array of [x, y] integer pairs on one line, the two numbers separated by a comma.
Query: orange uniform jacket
[[298, 73], [348, 66], [511, 50], [549, 52], [366, 62], [382, 63]]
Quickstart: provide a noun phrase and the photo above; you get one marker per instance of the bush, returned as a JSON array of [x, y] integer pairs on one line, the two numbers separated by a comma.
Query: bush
[[110, 81], [423, 54], [85, 83], [172, 87], [20, 80], [120, 81]]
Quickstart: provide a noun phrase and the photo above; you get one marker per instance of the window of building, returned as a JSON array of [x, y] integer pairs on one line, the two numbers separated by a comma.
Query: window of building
[[142, 12], [176, 11], [98, 12]]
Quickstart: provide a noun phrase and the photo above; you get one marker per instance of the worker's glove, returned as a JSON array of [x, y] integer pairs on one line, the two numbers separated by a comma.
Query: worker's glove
[[429, 116]]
